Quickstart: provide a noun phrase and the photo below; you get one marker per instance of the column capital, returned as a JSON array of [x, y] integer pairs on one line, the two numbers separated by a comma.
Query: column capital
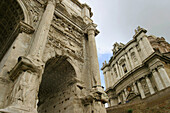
[[54, 2], [153, 70], [91, 29], [146, 76], [160, 66]]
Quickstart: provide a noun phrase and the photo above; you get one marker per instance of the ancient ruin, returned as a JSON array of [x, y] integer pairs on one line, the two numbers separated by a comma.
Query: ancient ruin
[[48, 58]]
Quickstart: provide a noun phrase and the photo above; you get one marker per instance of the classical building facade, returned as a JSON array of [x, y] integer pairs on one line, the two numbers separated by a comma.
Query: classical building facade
[[138, 69], [48, 58]]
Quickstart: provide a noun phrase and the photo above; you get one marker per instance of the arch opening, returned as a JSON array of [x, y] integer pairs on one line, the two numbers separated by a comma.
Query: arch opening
[[10, 16], [57, 81]]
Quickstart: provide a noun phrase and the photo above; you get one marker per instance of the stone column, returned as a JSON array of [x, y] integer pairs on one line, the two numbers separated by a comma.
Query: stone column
[[141, 89], [94, 64], [147, 45], [135, 88], [157, 79], [127, 62], [124, 98], [40, 39], [164, 76], [119, 100], [149, 85], [126, 94], [137, 55], [130, 59]]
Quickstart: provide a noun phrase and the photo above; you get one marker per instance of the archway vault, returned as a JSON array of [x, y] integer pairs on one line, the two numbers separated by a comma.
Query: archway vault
[[58, 75], [10, 16]]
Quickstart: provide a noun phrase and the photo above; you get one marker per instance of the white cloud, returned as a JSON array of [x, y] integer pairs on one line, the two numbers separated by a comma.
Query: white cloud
[[117, 20]]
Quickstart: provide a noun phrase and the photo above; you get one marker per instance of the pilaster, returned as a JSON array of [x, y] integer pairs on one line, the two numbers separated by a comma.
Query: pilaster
[[147, 45], [124, 98], [137, 55], [117, 69], [157, 79], [135, 88], [164, 75], [149, 85], [119, 100], [127, 62], [141, 89], [130, 59]]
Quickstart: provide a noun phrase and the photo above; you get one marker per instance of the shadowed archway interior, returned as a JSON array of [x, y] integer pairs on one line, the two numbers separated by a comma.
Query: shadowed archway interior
[[10, 16], [57, 77]]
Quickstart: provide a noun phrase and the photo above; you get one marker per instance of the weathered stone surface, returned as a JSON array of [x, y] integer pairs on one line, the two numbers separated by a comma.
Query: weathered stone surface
[[48, 58], [137, 69]]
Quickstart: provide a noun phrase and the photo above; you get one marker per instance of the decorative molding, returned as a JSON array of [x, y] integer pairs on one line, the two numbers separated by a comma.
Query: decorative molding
[[138, 31], [23, 64], [24, 27]]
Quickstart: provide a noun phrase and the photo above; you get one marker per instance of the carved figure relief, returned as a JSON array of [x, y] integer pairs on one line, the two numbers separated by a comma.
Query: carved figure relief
[[62, 36], [23, 92]]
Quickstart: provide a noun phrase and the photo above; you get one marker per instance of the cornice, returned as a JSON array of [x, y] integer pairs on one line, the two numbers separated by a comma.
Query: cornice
[[92, 26], [121, 50], [82, 6], [139, 32], [144, 64]]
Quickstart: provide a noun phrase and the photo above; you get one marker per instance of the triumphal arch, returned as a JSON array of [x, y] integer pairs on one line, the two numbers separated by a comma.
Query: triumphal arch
[[48, 58]]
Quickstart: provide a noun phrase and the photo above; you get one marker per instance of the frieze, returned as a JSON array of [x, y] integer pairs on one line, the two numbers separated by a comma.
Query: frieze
[[59, 45], [78, 20], [61, 41], [67, 28]]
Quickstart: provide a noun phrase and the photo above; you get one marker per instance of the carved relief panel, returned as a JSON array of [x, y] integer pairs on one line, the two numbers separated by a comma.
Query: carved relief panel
[[64, 38]]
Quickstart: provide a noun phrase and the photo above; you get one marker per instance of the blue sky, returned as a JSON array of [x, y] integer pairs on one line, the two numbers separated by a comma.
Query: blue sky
[[117, 19]]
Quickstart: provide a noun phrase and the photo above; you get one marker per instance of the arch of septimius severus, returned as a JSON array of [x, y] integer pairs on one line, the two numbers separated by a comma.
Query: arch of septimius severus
[[48, 58]]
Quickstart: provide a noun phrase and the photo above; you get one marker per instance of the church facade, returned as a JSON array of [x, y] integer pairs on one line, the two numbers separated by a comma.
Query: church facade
[[47, 55], [138, 69]]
